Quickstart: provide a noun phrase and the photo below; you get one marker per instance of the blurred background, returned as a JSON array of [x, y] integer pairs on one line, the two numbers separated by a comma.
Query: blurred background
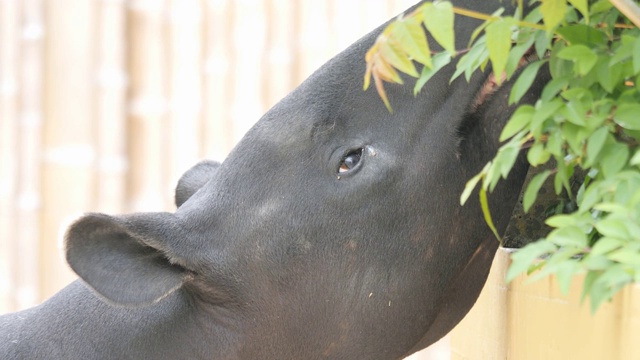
[[105, 103]]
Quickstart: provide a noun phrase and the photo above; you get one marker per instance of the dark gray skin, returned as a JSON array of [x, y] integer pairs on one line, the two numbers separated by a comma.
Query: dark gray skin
[[276, 254]]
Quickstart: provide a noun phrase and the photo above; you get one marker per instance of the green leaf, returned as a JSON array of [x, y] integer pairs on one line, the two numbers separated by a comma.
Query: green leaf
[[624, 51], [483, 26], [625, 190], [581, 34], [410, 36], [582, 6], [395, 57], [493, 174], [576, 93], [601, 6], [563, 175], [535, 184], [558, 67], [384, 71], [597, 119], [524, 81], [469, 186], [438, 19], [596, 262], [553, 12], [587, 284], [557, 260], [479, 62], [613, 228], [627, 115], [564, 274], [636, 56], [499, 43], [600, 290], [609, 76], [613, 276], [582, 56], [613, 157], [520, 118], [553, 87], [438, 62], [525, 258], [635, 160], [555, 143], [576, 136], [507, 156], [542, 43], [484, 204], [470, 61], [516, 54], [561, 220], [625, 256], [588, 116], [538, 265], [537, 154], [568, 236], [592, 195], [382, 93], [595, 143], [605, 245], [610, 207], [543, 112], [573, 113]]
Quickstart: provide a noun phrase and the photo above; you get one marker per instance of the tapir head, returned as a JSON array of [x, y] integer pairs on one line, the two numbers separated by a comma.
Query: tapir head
[[333, 229]]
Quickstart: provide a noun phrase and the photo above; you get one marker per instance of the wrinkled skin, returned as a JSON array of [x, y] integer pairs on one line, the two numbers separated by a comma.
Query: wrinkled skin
[[276, 254]]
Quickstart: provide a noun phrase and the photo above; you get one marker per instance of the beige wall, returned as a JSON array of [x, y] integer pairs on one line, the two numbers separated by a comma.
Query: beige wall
[[534, 321]]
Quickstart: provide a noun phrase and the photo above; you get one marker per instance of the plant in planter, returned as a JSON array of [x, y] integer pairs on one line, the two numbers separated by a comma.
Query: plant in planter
[[587, 120]]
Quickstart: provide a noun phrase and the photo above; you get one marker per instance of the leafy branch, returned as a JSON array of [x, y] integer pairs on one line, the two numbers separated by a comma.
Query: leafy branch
[[404, 42], [586, 119]]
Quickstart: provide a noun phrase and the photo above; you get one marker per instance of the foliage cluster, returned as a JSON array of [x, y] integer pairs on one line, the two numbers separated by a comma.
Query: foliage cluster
[[588, 117]]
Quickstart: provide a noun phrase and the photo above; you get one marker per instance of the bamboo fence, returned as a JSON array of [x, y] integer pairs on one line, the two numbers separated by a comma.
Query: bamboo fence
[[21, 128], [535, 321]]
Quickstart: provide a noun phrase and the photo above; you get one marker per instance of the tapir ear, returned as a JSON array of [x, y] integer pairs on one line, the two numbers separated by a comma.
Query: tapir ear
[[127, 259], [194, 179]]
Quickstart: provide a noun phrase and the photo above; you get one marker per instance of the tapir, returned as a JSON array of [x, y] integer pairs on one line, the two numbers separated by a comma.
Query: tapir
[[333, 230]]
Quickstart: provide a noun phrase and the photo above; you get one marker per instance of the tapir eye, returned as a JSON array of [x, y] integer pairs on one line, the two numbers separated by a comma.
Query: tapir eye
[[350, 161]]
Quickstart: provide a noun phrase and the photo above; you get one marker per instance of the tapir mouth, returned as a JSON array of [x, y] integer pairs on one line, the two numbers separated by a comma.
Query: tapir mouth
[[491, 84]]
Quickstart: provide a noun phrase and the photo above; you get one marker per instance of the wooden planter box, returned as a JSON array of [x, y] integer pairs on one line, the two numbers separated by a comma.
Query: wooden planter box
[[533, 320]]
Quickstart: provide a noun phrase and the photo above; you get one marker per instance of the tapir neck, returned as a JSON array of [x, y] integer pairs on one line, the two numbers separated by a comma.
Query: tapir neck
[[75, 324]]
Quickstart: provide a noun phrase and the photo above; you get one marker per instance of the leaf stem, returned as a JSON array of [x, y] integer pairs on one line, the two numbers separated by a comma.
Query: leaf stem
[[483, 16], [484, 204], [526, 142], [629, 9]]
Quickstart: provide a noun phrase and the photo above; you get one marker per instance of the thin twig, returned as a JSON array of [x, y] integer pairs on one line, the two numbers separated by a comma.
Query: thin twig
[[629, 8], [483, 16]]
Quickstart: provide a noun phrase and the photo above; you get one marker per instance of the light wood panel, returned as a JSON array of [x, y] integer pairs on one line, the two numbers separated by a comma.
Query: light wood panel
[[534, 321]]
